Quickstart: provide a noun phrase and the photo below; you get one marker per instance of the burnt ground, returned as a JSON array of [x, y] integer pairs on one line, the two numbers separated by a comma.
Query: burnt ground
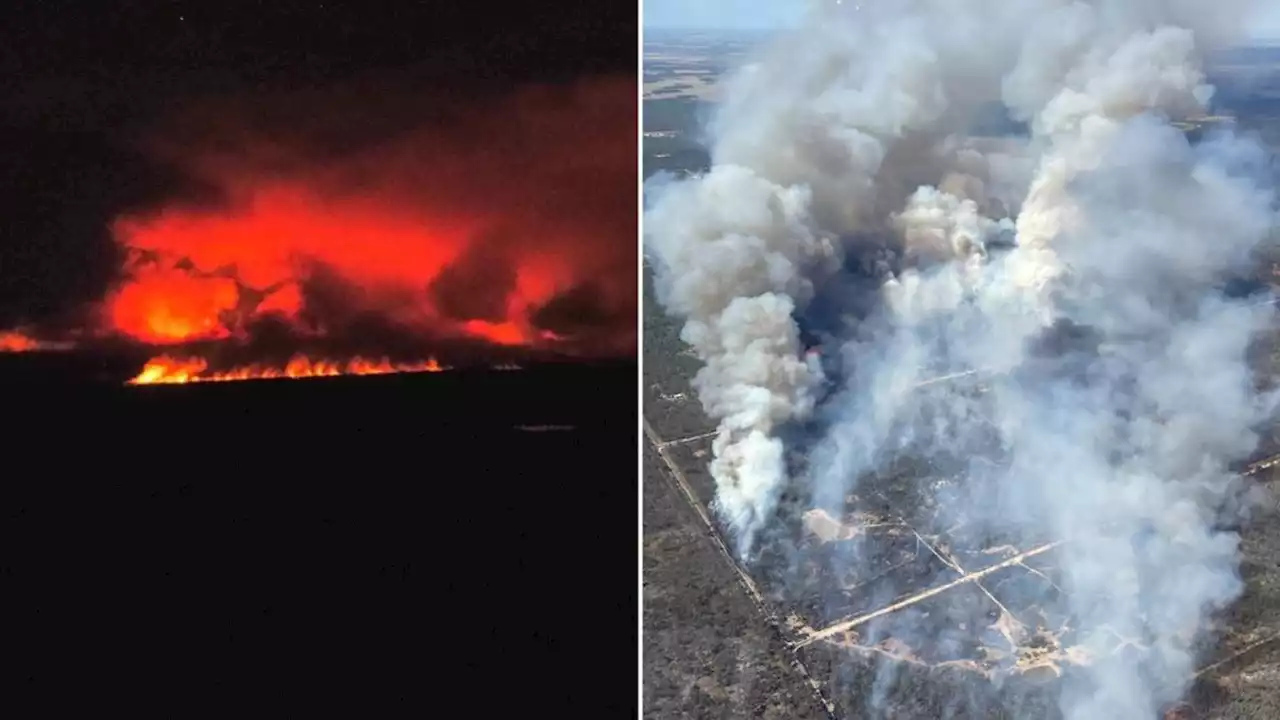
[[707, 652], [923, 634], [389, 545]]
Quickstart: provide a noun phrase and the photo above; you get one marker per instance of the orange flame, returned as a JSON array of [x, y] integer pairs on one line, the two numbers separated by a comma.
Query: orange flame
[[170, 370], [17, 342], [512, 226], [12, 341], [427, 230]]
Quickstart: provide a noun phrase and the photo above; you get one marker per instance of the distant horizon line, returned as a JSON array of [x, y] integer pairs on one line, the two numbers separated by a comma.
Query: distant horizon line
[[699, 28], [1263, 40]]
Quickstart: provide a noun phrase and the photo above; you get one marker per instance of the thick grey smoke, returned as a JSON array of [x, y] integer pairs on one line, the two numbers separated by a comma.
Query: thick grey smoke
[[854, 128]]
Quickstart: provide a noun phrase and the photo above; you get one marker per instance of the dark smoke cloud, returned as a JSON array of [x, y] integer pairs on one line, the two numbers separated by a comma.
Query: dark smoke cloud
[[477, 285], [581, 309]]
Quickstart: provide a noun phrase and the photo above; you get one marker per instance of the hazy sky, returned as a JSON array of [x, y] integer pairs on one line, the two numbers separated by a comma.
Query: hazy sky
[[765, 14], [721, 14], [1267, 24]]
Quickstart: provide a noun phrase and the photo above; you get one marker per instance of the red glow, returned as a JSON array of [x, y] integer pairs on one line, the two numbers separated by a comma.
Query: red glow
[[17, 342], [273, 239], [166, 370], [506, 222]]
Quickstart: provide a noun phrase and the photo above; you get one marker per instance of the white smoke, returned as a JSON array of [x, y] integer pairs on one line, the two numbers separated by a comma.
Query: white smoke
[[852, 127], [799, 155]]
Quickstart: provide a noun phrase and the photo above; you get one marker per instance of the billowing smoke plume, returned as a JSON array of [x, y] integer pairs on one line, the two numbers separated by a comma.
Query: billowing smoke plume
[[1078, 268], [382, 218]]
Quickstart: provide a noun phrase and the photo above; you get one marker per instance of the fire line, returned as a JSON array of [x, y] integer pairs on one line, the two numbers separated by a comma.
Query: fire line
[[170, 370]]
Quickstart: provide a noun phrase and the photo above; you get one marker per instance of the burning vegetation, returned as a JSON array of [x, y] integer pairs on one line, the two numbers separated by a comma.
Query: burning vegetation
[[508, 225], [12, 341], [166, 370], [17, 342]]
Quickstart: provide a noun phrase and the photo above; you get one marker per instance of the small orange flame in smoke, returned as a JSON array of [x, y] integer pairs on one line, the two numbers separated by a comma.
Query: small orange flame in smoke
[[16, 342], [170, 370], [12, 341]]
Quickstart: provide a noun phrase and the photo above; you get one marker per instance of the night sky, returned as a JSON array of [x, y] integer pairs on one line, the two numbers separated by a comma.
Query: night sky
[[84, 82]]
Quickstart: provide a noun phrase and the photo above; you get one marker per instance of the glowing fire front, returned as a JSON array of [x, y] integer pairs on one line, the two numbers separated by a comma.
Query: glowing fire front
[[424, 234], [171, 370], [13, 341], [17, 342]]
